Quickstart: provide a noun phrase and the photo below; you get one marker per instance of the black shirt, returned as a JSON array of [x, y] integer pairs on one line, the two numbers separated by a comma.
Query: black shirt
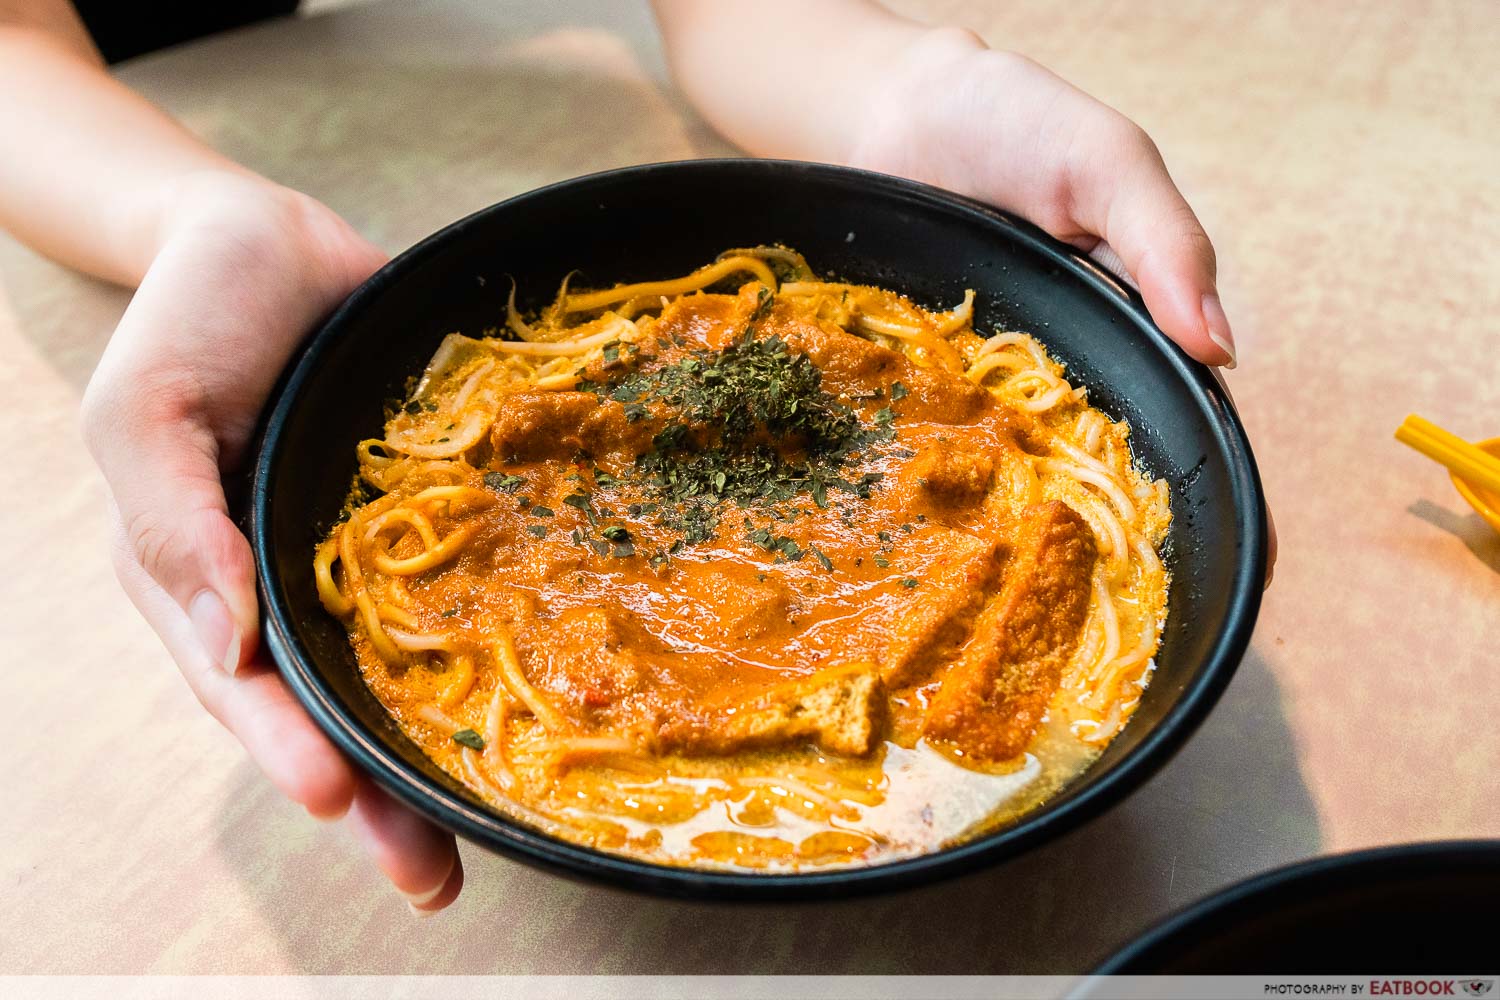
[[122, 30]]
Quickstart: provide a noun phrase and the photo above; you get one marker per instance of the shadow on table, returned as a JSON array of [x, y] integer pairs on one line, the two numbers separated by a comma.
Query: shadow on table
[[1232, 803], [1468, 527]]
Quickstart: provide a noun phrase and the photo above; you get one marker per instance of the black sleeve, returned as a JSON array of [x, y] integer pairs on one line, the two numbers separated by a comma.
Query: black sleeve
[[122, 30]]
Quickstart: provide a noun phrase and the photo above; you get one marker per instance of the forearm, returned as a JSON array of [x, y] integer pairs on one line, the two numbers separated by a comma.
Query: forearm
[[88, 168], [789, 79]]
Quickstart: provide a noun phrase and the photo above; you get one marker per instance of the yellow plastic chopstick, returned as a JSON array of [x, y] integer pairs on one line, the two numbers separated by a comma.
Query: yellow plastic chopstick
[[1452, 451]]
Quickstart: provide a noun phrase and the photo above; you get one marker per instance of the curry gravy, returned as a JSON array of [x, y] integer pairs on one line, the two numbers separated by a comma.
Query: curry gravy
[[752, 586]]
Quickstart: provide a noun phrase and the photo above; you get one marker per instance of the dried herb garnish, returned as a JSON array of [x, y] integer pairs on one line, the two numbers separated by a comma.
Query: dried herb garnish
[[537, 530], [540, 511], [763, 301], [583, 503], [909, 583], [822, 559], [749, 425], [899, 392], [785, 548], [502, 482], [469, 738], [616, 533]]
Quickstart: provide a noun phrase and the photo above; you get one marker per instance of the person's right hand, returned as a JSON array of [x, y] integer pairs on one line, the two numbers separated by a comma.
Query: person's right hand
[[245, 269]]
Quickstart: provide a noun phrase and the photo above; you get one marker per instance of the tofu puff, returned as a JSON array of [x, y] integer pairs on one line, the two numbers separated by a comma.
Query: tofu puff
[[750, 569]]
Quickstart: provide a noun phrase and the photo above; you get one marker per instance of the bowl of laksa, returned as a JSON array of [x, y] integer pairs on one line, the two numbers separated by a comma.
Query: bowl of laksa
[[743, 528]]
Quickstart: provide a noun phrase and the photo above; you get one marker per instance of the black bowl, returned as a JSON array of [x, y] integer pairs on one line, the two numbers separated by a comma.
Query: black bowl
[[1416, 909], [643, 222]]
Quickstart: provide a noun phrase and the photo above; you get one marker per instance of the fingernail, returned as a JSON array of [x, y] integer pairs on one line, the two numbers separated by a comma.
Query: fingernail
[[1218, 327], [417, 901], [216, 630], [421, 913]]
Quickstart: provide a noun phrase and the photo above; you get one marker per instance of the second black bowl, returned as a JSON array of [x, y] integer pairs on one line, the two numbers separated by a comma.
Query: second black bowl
[[644, 222], [1414, 909]]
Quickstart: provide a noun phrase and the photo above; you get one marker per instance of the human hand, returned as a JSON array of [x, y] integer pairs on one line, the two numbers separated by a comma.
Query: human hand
[[998, 127], [245, 269]]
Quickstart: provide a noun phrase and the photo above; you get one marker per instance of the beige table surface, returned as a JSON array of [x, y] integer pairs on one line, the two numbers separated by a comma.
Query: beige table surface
[[1342, 155]]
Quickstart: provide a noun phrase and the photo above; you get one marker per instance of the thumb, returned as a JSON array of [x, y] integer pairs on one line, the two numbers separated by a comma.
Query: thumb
[[161, 460], [1121, 191]]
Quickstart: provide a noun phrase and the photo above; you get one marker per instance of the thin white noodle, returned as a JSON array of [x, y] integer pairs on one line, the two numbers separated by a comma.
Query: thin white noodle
[[398, 516], [1021, 340], [613, 331], [457, 441], [438, 719], [890, 328], [959, 316], [1024, 482], [1022, 382], [365, 451], [1111, 623], [1090, 428], [1143, 649], [413, 642], [1087, 654], [1108, 531], [981, 368], [390, 613], [396, 587], [590, 745], [510, 670], [360, 592], [1080, 456], [1146, 553], [1044, 403], [1103, 483], [513, 317], [513, 806], [494, 740], [477, 776], [626, 755], [1105, 729], [470, 384], [454, 495], [791, 785]]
